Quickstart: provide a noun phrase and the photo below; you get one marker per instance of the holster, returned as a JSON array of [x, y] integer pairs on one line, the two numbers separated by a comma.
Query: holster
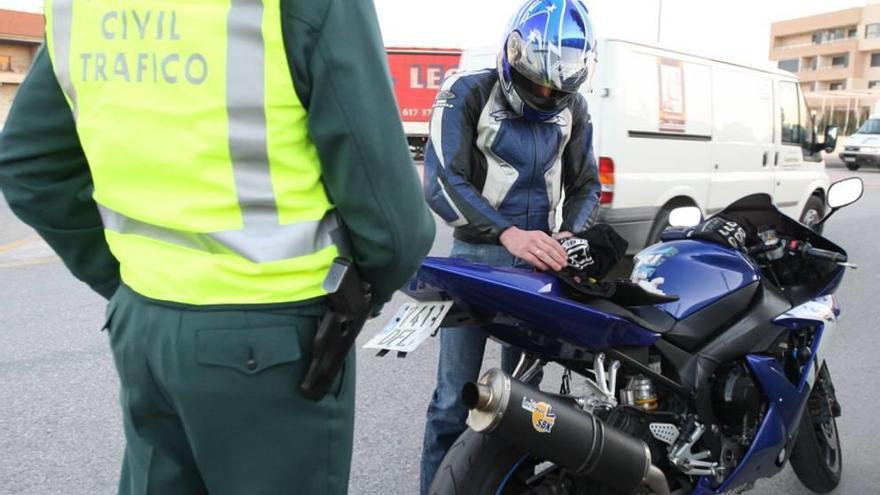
[[348, 299]]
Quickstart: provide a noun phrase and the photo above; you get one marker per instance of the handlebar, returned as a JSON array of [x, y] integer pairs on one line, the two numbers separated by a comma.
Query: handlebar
[[805, 249], [824, 254]]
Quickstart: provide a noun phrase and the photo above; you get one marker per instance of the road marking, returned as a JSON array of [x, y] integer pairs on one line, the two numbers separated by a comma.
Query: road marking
[[34, 261], [28, 251], [17, 244]]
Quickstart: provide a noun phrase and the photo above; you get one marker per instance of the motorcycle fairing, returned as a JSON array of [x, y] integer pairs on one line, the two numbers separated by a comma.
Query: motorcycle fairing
[[787, 401], [538, 301], [698, 272]]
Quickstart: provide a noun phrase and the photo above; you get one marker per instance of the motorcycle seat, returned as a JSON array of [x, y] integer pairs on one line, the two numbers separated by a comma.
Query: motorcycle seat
[[648, 317]]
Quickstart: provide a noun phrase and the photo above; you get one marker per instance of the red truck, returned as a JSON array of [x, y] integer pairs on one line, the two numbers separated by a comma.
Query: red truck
[[418, 74]]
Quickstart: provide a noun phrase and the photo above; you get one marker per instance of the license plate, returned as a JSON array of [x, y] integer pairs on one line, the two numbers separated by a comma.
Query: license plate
[[849, 159], [412, 324]]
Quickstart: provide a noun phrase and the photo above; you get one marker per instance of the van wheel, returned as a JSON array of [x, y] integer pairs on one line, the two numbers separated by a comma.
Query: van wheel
[[852, 166], [814, 211]]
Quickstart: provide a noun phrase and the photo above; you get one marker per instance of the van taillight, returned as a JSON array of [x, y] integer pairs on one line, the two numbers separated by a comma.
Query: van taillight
[[606, 178]]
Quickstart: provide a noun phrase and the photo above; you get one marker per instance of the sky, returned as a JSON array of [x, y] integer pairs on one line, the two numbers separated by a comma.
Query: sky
[[737, 30]]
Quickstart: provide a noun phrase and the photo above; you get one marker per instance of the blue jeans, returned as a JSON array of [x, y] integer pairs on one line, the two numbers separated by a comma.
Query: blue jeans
[[461, 356]]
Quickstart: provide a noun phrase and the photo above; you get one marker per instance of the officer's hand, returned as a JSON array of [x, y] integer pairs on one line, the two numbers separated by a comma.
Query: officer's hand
[[535, 247]]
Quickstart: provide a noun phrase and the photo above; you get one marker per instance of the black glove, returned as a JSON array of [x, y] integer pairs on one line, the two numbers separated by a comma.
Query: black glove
[[594, 253], [591, 256], [578, 251], [721, 231]]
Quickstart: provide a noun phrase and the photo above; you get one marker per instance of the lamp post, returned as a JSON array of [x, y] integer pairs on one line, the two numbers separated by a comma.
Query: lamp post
[[659, 19]]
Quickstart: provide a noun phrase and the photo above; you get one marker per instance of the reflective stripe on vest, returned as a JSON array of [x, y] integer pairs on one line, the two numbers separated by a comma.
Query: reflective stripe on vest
[[257, 244], [259, 209]]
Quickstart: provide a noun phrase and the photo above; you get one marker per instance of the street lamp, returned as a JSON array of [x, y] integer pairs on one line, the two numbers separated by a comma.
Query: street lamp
[[659, 18]]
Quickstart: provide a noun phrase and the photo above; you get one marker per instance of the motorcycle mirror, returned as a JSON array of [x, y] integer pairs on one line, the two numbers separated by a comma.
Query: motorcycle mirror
[[845, 192], [685, 216]]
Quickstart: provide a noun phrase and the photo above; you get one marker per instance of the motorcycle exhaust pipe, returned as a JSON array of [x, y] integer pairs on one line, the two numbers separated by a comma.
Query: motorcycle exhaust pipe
[[554, 430]]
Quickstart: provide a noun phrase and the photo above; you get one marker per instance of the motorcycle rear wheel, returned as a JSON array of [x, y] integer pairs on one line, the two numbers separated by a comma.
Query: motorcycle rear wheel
[[481, 465], [817, 456]]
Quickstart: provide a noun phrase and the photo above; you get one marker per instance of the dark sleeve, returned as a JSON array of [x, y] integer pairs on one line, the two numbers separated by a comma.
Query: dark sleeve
[[46, 180], [353, 119], [580, 175], [449, 161]]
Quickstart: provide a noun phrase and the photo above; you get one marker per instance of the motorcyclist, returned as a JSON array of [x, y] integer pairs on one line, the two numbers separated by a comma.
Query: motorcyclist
[[506, 145]]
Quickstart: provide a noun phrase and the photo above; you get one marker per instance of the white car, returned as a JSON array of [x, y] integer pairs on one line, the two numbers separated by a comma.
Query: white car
[[863, 147], [672, 129]]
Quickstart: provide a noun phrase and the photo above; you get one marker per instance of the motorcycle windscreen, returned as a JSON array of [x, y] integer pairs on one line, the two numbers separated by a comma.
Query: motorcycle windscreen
[[810, 279]]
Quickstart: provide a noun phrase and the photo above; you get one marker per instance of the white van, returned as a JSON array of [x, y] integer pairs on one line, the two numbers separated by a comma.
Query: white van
[[672, 129], [863, 147]]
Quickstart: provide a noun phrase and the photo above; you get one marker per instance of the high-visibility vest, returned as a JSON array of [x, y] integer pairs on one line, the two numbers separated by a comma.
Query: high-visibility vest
[[205, 176]]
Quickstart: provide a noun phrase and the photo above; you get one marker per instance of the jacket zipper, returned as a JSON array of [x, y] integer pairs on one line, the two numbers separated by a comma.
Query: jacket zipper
[[532, 178]]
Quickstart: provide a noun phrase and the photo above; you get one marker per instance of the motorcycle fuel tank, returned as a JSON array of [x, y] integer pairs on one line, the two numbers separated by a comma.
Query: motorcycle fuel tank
[[698, 272]]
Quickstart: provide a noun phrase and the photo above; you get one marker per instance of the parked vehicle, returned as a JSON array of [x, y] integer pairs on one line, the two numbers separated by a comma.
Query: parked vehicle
[[863, 147], [418, 74], [673, 129], [702, 395]]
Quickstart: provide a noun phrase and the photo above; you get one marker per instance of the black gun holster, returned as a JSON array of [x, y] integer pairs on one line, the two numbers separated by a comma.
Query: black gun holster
[[348, 299]]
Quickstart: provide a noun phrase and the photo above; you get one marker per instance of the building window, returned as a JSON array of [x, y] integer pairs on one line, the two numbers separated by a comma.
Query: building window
[[790, 65], [5, 63], [837, 86], [852, 33], [873, 84], [832, 35], [840, 61], [875, 59], [872, 31]]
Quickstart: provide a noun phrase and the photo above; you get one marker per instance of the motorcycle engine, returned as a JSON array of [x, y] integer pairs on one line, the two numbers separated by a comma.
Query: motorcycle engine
[[740, 408]]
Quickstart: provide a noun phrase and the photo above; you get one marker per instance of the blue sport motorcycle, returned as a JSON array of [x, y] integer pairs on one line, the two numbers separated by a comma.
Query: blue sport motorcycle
[[704, 394]]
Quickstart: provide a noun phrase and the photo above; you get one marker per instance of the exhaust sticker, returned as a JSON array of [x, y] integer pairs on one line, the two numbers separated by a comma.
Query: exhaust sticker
[[543, 417]]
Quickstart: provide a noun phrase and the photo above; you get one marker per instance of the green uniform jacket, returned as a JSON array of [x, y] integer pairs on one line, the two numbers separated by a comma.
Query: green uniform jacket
[[339, 68]]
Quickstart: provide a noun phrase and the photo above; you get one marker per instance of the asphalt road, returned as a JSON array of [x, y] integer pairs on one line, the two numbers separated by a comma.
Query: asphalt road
[[60, 427]]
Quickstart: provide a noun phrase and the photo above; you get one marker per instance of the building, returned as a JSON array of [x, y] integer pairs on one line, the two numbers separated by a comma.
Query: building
[[836, 56], [21, 34]]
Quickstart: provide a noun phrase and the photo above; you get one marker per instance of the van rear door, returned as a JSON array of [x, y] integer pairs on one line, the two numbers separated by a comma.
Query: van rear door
[[742, 135]]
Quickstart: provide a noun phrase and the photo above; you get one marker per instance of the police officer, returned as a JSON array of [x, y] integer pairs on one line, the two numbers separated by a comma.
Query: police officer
[[506, 145], [197, 161]]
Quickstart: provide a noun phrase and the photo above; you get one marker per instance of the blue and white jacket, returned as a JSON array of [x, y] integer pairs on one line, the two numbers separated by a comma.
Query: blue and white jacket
[[487, 169]]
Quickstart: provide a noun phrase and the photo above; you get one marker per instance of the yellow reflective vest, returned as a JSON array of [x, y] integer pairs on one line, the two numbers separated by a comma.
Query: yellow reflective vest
[[208, 183]]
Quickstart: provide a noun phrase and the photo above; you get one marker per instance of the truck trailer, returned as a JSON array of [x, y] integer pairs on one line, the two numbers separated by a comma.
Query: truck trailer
[[418, 74]]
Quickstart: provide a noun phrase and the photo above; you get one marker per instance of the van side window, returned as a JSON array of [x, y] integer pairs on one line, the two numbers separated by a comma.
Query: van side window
[[808, 129], [788, 105], [796, 122]]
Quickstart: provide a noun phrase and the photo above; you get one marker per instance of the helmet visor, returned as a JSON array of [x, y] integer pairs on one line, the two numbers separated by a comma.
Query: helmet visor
[[538, 96], [565, 68]]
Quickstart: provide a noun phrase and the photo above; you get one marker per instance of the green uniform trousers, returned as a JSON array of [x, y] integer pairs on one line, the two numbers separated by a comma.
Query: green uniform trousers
[[211, 404]]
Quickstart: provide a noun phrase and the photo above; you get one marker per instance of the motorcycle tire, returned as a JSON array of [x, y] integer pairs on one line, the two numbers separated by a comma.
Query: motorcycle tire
[[477, 464], [817, 458]]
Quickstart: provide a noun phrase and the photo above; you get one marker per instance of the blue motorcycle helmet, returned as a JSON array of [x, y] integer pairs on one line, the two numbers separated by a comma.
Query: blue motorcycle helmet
[[548, 54]]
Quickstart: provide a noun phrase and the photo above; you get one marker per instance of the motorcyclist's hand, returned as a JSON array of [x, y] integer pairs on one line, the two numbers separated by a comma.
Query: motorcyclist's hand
[[535, 247]]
